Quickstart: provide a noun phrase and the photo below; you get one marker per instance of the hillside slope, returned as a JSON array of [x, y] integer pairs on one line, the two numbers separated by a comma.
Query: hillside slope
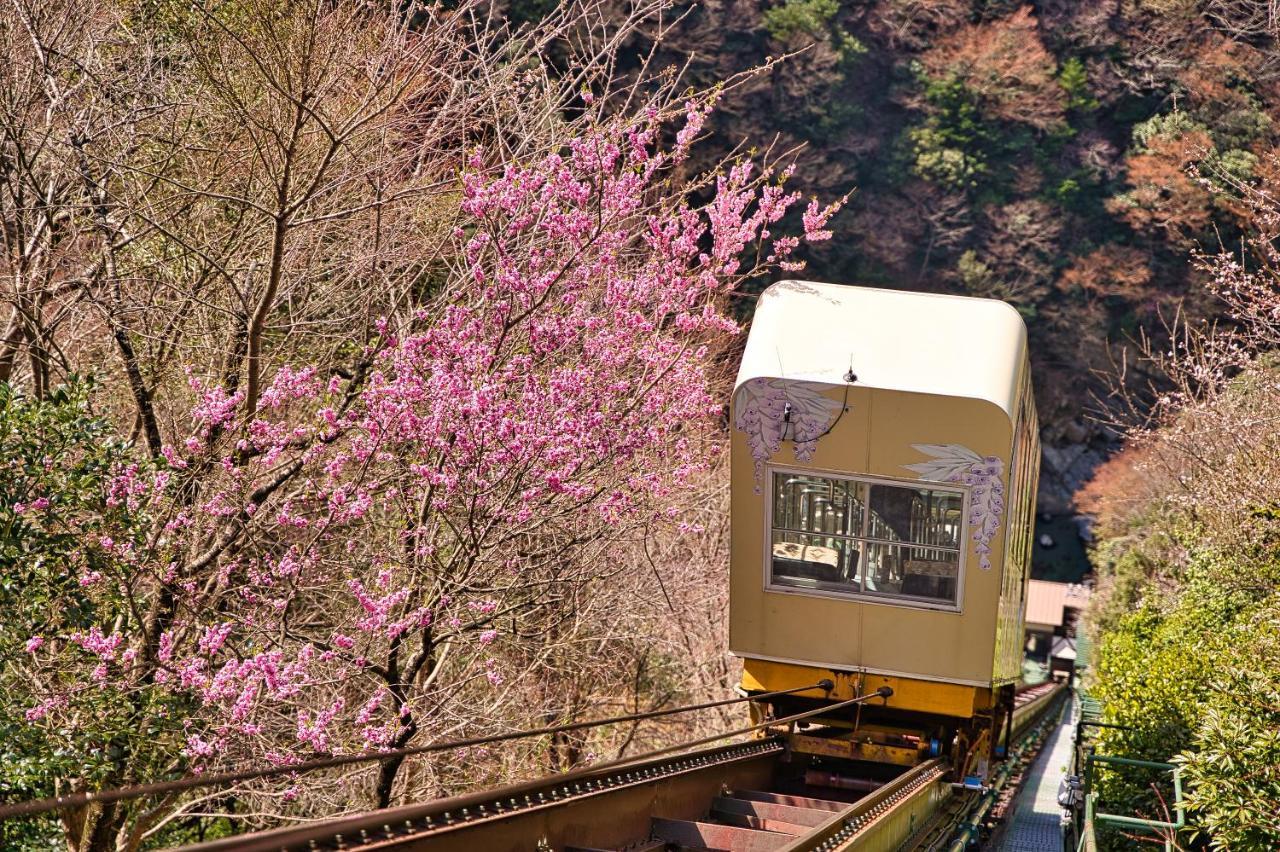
[[1038, 153]]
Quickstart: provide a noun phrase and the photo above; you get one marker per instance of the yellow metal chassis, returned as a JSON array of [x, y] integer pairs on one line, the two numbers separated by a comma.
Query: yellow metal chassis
[[909, 694], [853, 748]]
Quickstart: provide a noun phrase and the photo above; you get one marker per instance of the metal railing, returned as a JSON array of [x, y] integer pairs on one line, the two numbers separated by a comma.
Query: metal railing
[[1092, 817]]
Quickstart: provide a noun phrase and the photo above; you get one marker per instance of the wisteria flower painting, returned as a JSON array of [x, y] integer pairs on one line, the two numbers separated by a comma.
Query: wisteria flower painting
[[771, 411], [957, 463]]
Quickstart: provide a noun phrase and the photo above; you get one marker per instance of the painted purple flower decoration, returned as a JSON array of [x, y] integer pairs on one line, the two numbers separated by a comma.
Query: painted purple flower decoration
[[770, 411], [956, 463]]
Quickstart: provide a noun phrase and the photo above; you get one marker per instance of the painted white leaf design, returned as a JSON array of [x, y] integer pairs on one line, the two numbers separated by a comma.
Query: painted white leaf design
[[949, 462], [771, 411], [957, 463], [801, 287]]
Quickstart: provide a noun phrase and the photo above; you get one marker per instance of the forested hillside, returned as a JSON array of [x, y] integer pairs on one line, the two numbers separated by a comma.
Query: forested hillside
[[363, 367], [1187, 613], [1065, 155]]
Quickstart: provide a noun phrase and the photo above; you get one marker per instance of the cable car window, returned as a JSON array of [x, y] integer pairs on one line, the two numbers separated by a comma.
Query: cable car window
[[870, 539], [816, 521]]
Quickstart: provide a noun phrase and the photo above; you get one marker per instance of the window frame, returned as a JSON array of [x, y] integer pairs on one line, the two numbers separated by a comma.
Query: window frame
[[864, 596]]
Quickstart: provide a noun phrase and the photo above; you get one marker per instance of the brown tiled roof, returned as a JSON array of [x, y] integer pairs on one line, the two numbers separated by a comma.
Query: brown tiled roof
[[1046, 601]]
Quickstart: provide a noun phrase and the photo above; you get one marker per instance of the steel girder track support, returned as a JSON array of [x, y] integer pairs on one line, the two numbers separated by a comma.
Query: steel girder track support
[[882, 821]]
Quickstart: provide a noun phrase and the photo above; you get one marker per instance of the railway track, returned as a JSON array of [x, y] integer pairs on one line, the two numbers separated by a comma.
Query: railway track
[[966, 816], [747, 796]]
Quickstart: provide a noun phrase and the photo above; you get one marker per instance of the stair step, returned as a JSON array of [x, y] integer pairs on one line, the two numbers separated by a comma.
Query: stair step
[[784, 799], [722, 838], [761, 823], [793, 814]]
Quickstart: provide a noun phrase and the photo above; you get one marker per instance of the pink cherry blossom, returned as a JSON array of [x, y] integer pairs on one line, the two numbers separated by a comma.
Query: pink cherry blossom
[[562, 382]]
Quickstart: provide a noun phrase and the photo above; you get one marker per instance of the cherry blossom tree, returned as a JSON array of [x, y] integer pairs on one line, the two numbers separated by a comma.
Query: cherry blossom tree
[[359, 553]]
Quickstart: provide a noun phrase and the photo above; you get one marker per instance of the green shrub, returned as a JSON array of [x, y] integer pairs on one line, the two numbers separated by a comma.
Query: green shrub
[[1189, 663], [1075, 82], [56, 463], [952, 145], [800, 17]]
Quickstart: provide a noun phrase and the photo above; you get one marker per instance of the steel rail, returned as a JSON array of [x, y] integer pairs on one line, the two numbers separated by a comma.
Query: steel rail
[[1029, 711], [869, 811], [875, 812], [191, 782], [937, 831], [409, 823]]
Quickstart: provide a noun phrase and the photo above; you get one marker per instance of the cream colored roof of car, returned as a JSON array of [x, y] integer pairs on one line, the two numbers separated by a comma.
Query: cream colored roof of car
[[894, 340]]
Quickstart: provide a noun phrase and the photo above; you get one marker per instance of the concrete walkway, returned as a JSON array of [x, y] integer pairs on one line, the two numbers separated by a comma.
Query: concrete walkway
[[1036, 815]]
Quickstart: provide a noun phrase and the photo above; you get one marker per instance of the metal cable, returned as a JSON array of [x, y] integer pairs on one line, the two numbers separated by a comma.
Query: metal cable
[[350, 827], [72, 800]]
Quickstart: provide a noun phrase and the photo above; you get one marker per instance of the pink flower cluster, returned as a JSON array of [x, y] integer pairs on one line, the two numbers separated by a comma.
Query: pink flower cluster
[[39, 504], [567, 374]]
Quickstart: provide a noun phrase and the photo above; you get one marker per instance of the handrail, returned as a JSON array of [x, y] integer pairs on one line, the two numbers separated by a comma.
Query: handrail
[[306, 836], [1093, 817], [1088, 839], [1088, 822]]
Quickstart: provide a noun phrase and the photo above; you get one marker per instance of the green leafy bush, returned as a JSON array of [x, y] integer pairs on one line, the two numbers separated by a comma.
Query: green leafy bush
[[1188, 624], [813, 20], [1232, 768], [800, 17], [951, 147], [56, 460]]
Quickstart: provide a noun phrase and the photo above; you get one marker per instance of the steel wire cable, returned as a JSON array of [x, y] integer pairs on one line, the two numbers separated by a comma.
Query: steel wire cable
[[136, 791], [350, 827]]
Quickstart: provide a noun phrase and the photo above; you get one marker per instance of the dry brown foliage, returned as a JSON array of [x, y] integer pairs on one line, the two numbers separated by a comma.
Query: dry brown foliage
[[1112, 270], [1164, 197], [922, 214], [1244, 19], [1214, 458], [1205, 441], [1006, 65], [205, 190], [1019, 242], [1085, 26], [1119, 487], [913, 24], [650, 635], [1219, 63], [1077, 336], [1095, 153]]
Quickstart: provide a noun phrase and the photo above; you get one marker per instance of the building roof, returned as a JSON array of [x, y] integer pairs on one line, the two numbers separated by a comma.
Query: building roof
[[1047, 602], [921, 342], [1062, 648]]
